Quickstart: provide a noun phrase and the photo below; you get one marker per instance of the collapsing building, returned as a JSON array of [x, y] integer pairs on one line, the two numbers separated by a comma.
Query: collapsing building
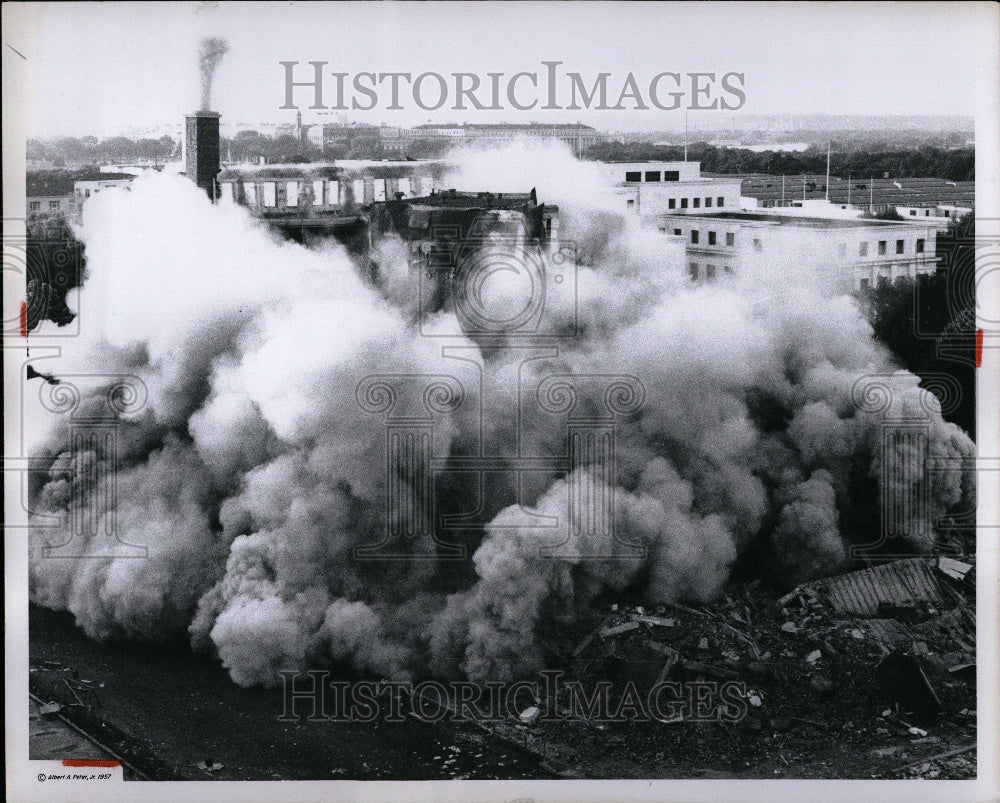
[[457, 239]]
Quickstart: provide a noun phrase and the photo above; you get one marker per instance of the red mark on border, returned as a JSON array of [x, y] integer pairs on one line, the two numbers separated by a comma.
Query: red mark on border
[[90, 762], [24, 319], [979, 348]]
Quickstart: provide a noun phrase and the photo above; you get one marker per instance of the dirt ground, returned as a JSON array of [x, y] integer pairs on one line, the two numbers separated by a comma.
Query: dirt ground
[[823, 709]]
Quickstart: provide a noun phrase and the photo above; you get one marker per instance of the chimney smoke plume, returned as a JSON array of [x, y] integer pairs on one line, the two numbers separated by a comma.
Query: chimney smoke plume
[[210, 54]]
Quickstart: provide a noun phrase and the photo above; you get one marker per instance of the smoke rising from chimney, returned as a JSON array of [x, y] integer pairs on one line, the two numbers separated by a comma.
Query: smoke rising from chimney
[[210, 54]]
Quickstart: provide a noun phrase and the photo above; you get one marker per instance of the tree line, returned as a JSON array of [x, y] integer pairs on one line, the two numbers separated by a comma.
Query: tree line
[[93, 151], [927, 161]]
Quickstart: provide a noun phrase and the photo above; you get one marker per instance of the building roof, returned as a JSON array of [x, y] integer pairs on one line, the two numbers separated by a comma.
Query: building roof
[[42, 187], [796, 220], [60, 182], [860, 191], [861, 592], [479, 200]]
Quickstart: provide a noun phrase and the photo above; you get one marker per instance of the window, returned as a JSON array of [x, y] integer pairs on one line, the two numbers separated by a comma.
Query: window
[[694, 270], [720, 201], [694, 235], [250, 191], [630, 203], [86, 193], [270, 193], [652, 175], [672, 203], [34, 206], [883, 281], [758, 245], [730, 238], [671, 175], [899, 246], [920, 245], [728, 269], [842, 250], [913, 211], [677, 232], [53, 204], [636, 176], [697, 202], [711, 238], [881, 247], [710, 271], [866, 284], [317, 193], [708, 202], [863, 249], [684, 203]]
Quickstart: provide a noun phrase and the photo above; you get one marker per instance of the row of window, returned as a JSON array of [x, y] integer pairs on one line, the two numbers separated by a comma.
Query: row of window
[[883, 246], [36, 206], [842, 248], [712, 237], [710, 271], [883, 281], [696, 202], [652, 175], [328, 193]]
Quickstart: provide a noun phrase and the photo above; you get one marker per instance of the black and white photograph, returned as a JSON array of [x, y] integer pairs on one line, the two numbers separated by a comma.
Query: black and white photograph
[[503, 401]]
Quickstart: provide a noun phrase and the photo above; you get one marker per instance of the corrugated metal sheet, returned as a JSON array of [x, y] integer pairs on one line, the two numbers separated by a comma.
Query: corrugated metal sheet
[[860, 592]]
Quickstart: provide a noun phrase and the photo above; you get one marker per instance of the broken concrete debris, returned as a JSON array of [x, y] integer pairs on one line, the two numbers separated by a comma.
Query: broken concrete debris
[[908, 625]]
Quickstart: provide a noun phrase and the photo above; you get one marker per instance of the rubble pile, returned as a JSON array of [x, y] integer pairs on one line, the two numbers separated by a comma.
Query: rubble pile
[[871, 657]]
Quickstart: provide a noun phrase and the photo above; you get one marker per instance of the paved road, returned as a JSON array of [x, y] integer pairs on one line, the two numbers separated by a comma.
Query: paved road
[[187, 711]]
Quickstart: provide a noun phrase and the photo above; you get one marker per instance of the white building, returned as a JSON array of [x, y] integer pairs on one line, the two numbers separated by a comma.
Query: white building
[[84, 189], [850, 254], [658, 188]]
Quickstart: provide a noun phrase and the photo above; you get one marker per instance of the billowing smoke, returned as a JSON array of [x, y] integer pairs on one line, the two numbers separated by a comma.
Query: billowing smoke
[[256, 466], [210, 53]]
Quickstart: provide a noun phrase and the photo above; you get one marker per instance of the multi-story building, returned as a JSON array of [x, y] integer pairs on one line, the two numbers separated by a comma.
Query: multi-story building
[[851, 254], [308, 190], [85, 188], [658, 188], [49, 196]]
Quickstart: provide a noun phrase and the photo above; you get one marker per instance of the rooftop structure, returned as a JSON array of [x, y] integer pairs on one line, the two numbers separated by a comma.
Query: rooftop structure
[[656, 188], [875, 195]]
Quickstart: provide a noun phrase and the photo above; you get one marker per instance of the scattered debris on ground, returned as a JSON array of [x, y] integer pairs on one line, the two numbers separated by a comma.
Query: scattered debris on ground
[[883, 657]]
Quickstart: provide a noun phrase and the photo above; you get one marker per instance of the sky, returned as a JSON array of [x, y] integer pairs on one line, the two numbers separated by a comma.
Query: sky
[[107, 68]]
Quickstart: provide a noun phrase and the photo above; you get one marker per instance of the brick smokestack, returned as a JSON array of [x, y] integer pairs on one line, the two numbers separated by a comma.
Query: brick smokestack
[[201, 148]]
